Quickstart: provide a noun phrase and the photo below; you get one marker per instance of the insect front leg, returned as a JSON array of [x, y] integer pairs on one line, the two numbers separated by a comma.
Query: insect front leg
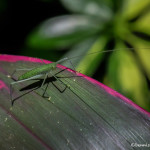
[[45, 90], [71, 63], [66, 59], [67, 85], [46, 75]]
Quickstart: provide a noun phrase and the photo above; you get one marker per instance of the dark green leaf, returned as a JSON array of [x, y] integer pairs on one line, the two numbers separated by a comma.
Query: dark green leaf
[[87, 116]]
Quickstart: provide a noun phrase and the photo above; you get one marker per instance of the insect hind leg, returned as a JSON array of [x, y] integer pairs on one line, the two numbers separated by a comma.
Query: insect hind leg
[[11, 89], [46, 76], [16, 82]]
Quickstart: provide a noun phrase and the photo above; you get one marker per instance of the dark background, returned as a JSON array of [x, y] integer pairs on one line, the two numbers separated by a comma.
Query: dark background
[[19, 17]]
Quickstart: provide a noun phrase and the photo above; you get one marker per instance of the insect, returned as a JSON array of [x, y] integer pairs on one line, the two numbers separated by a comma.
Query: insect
[[46, 69], [38, 72]]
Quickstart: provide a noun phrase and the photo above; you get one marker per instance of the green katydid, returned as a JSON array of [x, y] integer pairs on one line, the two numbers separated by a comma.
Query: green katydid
[[38, 72], [44, 70]]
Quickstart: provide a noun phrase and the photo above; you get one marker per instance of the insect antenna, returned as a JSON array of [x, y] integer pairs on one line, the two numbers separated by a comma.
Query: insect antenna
[[105, 51]]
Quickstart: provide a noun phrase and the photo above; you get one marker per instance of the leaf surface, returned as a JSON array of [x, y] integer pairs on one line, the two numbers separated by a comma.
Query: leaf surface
[[86, 116]]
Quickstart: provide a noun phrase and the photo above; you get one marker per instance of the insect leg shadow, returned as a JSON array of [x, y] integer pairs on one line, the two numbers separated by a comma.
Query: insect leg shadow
[[36, 85]]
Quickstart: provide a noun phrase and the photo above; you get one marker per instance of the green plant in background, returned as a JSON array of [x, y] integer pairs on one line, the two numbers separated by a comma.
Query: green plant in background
[[100, 25]]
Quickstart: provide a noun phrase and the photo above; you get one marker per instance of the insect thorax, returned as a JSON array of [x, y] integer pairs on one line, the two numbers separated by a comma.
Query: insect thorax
[[39, 70]]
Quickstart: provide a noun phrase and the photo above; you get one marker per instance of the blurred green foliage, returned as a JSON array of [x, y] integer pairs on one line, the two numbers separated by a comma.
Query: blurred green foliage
[[100, 25]]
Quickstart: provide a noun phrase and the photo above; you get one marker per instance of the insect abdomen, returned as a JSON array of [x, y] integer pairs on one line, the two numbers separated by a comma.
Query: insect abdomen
[[37, 71]]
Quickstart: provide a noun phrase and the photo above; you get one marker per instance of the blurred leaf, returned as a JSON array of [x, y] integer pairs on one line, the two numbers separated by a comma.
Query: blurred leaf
[[142, 48], [91, 7], [81, 56], [142, 24], [80, 118], [133, 8], [61, 32], [79, 50], [128, 78], [52, 55], [89, 63]]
